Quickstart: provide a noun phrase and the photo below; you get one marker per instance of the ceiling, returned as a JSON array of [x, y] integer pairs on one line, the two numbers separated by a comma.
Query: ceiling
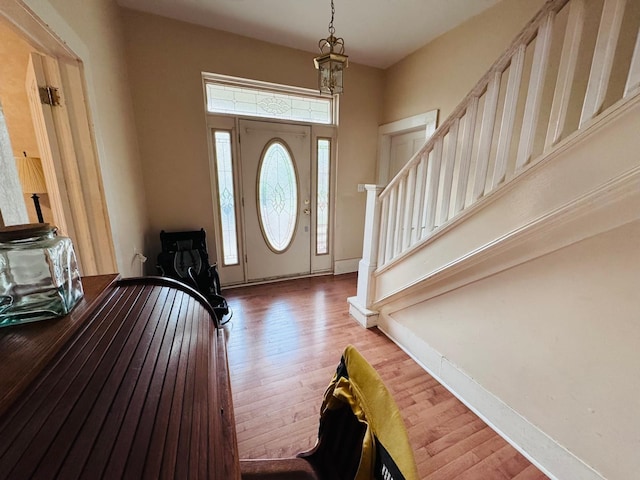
[[376, 32]]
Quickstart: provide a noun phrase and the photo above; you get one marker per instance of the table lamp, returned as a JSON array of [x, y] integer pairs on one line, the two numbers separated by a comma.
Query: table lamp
[[32, 179]]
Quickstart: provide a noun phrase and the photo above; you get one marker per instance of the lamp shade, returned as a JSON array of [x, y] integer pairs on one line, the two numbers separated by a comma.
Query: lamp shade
[[31, 175]]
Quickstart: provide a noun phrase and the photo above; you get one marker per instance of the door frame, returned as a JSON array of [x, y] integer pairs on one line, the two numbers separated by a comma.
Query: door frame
[[427, 121], [320, 264], [85, 203]]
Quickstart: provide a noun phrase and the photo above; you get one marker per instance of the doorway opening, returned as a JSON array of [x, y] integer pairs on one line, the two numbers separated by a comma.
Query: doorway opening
[[53, 82]]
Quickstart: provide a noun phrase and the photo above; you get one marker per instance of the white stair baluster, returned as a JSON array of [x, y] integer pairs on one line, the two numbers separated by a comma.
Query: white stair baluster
[[409, 206], [449, 164], [421, 180], [399, 214], [508, 116], [633, 80], [433, 178], [469, 128], [391, 225], [486, 135], [384, 227], [534, 95], [566, 72], [603, 55]]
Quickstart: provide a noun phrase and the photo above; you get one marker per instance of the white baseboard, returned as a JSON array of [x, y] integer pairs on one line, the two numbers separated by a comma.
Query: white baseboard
[[543, 451], [345, 266]]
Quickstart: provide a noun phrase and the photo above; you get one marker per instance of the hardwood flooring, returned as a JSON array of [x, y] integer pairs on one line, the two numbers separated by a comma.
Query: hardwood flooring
[[284, 343]]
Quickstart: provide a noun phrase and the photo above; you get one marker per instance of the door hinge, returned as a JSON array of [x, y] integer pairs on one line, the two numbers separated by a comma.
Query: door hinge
[[242, 201], [245, 258], [49, 96]]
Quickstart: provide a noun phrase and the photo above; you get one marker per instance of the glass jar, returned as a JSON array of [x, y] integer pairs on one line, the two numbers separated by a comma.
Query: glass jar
[[39, 277]]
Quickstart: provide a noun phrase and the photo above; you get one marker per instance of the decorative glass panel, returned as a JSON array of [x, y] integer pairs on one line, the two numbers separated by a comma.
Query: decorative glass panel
[[255, 102], [277, 196], [322, 199], [226, 198]]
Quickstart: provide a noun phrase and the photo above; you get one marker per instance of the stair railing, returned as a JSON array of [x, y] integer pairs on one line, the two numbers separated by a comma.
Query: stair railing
[[503, 125]]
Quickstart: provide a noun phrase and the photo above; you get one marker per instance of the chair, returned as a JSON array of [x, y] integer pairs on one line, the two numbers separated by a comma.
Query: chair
[[361, 434], [184, 257]]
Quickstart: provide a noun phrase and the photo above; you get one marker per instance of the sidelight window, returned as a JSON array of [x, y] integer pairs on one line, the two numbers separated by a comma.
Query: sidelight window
[[322, 198], [226, 198]]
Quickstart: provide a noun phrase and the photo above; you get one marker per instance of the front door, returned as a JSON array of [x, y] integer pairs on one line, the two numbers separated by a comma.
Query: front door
[[276, 187]]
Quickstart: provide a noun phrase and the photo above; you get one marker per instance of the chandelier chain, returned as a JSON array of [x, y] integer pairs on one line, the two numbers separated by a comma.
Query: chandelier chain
[[332, 30]]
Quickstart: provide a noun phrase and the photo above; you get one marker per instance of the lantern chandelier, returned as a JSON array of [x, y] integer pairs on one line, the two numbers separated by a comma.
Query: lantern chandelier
[[331, 62]]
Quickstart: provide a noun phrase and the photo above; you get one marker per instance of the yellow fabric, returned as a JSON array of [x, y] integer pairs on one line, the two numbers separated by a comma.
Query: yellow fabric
[[372, 405]]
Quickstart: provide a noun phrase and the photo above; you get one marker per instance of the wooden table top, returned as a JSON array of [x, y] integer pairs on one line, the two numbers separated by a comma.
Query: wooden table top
[[133, 383]]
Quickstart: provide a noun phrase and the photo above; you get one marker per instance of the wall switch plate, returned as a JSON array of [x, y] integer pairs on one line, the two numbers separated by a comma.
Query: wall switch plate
[[361, 187]]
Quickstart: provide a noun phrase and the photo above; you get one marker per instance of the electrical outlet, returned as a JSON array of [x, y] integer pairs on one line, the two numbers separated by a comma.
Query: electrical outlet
[[138, 255]]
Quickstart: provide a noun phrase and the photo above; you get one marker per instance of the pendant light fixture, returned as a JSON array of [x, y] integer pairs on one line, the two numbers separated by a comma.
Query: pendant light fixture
[[331, 62]]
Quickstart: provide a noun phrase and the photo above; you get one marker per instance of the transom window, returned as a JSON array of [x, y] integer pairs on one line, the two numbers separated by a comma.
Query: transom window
[[234, 96]]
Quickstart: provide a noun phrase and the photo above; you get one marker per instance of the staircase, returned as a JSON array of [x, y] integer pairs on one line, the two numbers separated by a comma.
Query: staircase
[[540, 159]]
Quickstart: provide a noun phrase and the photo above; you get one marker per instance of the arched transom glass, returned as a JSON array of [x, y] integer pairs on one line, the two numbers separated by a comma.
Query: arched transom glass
[[277, 196]]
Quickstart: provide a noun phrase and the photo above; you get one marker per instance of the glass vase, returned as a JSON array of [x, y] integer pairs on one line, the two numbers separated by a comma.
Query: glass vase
[[39, 276]]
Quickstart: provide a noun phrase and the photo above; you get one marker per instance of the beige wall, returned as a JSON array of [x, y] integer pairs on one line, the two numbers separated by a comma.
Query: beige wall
[[14, 52], [93, 30], [166, 59], [441, 73], [557, 340]]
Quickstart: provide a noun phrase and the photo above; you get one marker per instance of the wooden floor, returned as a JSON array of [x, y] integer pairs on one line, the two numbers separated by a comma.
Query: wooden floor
[[285, 341]]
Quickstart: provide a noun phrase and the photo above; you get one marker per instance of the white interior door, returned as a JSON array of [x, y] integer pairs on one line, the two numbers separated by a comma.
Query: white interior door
[[74, 183], [403, 147], [405, 132], [276, 188], [51, 156]]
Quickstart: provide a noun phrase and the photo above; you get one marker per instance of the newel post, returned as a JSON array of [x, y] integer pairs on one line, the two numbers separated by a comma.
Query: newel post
[[360, 304]]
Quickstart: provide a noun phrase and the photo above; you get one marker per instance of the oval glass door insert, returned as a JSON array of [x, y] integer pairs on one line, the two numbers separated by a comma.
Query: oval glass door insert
[[277, 196]]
